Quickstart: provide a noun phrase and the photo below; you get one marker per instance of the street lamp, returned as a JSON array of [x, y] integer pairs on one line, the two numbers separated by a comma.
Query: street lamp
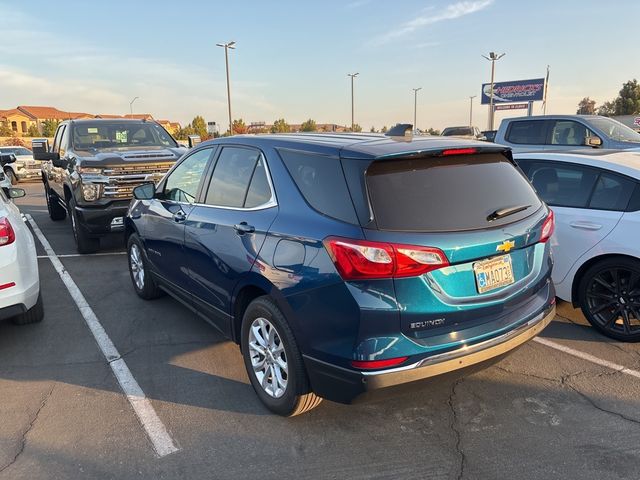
[[493, 57], [352, 75], [227, 46], [131, 105], [471, 97], [415, 107]]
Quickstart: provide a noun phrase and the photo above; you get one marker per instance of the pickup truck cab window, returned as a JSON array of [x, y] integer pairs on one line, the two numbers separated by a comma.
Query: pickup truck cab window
[[568, 132], [528, 132]]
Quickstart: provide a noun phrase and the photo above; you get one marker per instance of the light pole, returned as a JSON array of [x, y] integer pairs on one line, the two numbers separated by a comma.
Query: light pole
[[493, 57], [227, 46], [352, 75], [415, 107], [131, 105], [471, 97]]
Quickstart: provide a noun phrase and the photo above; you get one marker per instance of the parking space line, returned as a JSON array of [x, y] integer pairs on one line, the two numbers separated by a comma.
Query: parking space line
[[588, 357], [71, 255], [162, 442]]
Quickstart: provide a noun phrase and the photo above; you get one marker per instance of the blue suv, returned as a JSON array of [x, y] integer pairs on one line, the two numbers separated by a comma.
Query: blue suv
[[347, 263]]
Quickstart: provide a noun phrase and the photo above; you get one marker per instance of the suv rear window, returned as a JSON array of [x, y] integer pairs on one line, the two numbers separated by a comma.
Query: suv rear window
[[447, 194]]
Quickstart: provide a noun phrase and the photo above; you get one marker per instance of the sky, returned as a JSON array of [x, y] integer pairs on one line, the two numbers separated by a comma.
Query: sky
[[293, 57]]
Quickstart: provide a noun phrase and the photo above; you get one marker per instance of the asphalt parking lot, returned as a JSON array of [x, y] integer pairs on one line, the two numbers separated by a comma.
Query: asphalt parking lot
[[539, 413]]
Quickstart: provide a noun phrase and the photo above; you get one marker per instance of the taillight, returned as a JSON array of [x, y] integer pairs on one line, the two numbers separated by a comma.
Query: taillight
[[371, 364], [7, 235], [547, 227], [361, 259], [459, 151]]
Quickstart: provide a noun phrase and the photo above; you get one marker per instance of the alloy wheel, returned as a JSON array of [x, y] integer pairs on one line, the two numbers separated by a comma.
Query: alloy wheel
[[268, 357], [613, 300], [137, 266]]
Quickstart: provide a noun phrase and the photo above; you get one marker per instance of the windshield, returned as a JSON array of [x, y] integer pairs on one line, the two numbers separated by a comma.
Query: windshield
[[616, 130], [103, 136], [15, 150]]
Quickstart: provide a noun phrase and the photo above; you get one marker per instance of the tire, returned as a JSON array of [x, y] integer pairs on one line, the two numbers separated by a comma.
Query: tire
[[34, 315], [56, 212], [84, 243], [11, 176], [141, 278], [609, 296], [292, 396]]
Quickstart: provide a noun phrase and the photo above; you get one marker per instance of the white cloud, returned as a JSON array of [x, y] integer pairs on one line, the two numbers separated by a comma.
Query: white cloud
[[430, 15]]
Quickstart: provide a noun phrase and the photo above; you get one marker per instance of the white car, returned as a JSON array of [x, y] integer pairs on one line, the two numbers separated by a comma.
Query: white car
[[595, 196], [20, 298], [25, 167]]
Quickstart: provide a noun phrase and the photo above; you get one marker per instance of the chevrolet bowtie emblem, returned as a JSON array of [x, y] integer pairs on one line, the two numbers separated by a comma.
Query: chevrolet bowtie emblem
[[506, 246]]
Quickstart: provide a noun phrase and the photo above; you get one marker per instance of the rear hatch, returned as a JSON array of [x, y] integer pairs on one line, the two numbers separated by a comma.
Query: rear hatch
[[480, 211]]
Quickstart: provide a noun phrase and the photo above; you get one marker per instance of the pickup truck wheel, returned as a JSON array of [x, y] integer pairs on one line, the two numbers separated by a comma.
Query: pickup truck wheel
[[11, 176], [143, 282], [84, 243], [56, 212], [34, 315], [273, 360]]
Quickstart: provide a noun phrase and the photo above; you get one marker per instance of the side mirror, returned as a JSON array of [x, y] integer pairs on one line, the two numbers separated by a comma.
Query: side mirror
[[57, 161], [594, 142], [194, 140], [40, 149], [16, 193], [146, 191]]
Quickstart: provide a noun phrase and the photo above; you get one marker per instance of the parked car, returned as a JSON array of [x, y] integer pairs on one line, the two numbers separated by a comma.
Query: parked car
[[464, 131], [20, 298], [24, 167], [347, 263], [5, 183], [565, 132], [595, 196], [489, 135], [92, 168]]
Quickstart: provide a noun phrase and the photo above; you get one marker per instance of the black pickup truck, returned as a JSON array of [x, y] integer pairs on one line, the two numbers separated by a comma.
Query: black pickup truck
[[93, 166]]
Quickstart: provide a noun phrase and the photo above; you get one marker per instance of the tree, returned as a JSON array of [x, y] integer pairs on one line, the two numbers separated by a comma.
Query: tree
[[372, 129], [383, 129], [433, 131], [49, 127], [356, 128], [607, 109], [586, 107], [184, 132], [239, 127], [280, 126], [308, 126], [33, 131], [6, 130], [628, 101], [199, 126]]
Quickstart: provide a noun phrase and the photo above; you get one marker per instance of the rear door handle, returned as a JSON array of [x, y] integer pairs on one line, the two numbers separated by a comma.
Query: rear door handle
[[586, 225], [179, 216], [243, 228]]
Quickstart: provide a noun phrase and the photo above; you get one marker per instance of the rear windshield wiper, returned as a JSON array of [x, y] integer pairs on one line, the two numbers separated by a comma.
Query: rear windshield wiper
[[505, 212]]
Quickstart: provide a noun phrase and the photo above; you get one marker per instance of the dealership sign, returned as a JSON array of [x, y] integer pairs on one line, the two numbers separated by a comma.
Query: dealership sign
[[516, 91], [511, 106]]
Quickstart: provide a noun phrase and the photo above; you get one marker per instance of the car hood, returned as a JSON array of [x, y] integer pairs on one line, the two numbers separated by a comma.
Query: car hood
[[123, 156]]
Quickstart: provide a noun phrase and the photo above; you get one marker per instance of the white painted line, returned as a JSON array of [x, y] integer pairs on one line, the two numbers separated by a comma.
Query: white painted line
[[588, 357], [72, 255], [162, 442]]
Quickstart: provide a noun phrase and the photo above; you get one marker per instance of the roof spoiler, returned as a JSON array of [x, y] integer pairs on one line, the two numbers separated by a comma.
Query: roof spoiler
[[399, 130]]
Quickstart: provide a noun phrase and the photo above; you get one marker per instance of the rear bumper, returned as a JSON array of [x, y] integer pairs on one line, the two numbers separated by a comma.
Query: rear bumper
[[344, 385], [103, 220]]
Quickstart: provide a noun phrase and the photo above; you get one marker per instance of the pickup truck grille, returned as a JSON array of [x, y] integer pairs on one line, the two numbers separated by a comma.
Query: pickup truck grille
[[124, 178]]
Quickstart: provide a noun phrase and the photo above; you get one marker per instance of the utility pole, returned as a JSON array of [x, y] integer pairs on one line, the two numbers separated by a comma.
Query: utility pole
[[493, 57], [471, 97], [353, 123], [131, 105], [415, 107], [227, 46]]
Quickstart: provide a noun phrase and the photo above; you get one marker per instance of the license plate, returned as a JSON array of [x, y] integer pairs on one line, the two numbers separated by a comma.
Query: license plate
[[494, 273]]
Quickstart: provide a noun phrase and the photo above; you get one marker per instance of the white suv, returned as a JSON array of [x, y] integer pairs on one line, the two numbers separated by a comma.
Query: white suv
[[20, 298], [595, 195]]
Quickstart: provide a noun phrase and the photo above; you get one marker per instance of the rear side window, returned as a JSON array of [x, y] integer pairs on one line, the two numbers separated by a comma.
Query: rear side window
[[529, 132], [447, 194], [634, 203], [321, 181], [612, 192], [561, 185]]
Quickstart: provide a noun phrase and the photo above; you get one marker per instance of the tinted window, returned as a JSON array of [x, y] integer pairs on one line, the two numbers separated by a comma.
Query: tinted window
[[321, 181], [561, 185], [447, 194], [231, 177], [460, 131], [612, 192], [532, 132], [259, 191], [634, 203], [182, 184], [568, 132]]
